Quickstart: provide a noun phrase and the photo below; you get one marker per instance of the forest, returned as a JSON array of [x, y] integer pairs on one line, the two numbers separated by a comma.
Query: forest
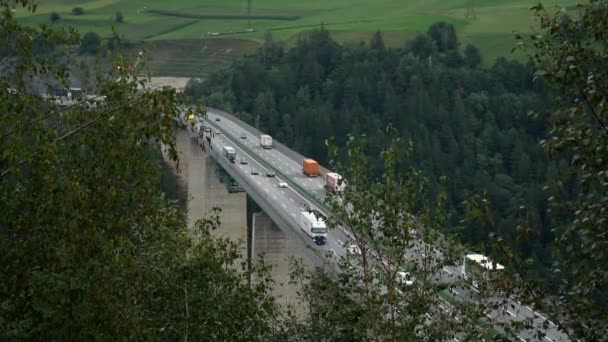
[[91, 248], [469, 125]]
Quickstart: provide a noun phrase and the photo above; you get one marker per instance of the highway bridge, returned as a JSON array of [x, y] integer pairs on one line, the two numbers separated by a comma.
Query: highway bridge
[[284, 205]]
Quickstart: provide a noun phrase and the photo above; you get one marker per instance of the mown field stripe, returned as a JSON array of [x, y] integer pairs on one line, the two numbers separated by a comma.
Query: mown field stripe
[[170, 29], [224, 16]]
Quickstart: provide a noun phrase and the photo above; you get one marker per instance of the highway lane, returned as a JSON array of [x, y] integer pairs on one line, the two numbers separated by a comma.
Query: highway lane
[[275, 158], [292, 169]]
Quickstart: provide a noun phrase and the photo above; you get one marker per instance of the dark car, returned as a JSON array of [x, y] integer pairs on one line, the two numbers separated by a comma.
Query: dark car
[[217, 119], [254, 172], [244, 161], [320, 240], [270, 174]]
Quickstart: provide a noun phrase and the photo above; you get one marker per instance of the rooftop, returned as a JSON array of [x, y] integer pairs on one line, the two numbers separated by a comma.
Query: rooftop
[[483, 261]]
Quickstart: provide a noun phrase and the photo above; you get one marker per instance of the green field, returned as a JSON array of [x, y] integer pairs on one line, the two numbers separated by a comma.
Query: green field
[[487, 23]]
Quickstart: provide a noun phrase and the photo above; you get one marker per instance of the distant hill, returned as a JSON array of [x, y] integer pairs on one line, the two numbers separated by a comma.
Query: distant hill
[[487, 23]]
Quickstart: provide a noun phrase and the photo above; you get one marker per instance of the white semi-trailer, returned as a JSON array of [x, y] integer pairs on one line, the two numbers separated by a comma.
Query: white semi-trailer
[[334, 182], [265, 141], [229, 153], [314, 227], [479, 269]]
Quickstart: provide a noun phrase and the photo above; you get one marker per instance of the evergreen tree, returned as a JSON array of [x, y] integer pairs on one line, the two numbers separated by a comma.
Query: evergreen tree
[[423, 46], [444, 35], [472, 56], [90, 43], [377, 43]]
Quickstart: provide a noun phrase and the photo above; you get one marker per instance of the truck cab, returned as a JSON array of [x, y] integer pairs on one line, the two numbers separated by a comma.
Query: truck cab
[[314, 227]]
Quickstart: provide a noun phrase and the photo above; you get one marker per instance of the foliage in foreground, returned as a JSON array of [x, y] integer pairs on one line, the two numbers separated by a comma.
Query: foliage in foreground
[[390, 222], [570, 56], [90, 249]]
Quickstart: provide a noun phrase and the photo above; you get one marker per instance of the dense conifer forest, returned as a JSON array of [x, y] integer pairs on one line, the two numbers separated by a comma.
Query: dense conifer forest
[[469, 125]]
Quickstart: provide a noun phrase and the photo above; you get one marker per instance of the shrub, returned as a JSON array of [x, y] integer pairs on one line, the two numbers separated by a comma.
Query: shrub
[[90, 43], [55, 17]]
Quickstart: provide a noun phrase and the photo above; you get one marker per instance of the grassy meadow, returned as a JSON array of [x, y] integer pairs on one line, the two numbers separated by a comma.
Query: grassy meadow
[[489, 24]]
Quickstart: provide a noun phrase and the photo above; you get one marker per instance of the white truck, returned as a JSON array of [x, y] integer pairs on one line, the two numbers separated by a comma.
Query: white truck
[[334, 182], [265, 141], [313, 227], [229, 153]]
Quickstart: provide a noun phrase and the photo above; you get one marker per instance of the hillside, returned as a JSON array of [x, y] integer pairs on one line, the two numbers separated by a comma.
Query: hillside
[[487, 23]]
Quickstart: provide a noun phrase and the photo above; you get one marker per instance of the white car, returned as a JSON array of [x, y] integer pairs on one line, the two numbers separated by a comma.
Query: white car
[[353, 250], [404, 278], [282, 185]]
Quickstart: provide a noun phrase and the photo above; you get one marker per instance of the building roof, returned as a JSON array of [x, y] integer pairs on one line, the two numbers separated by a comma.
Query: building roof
[[484, 262]]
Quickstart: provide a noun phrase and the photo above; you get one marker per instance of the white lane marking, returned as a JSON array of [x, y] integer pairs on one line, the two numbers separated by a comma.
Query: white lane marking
[[529, 308], [548, 338], [347, 233], [291, 199], [521, 338], [275, 197], [541, 316], [283, 192], [266, 189], [455, 292], [510, 313], [340, 241], [258, 182], [292, 214], [552, 324], [284, 206], [448, 271]]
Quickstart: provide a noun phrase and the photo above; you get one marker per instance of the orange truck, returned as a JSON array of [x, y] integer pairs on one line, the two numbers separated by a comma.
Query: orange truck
[[310, 167]]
